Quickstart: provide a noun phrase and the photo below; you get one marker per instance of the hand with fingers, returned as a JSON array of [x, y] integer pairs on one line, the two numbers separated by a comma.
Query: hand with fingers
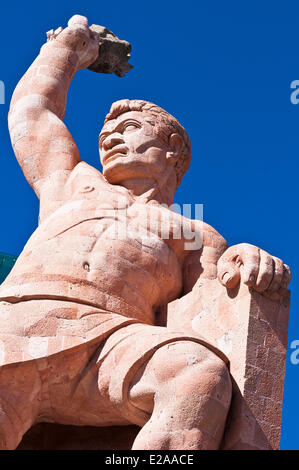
[[79, 38], [255, 268]]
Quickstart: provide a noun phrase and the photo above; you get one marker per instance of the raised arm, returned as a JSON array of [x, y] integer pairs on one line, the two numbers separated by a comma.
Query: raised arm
[[43, 146]]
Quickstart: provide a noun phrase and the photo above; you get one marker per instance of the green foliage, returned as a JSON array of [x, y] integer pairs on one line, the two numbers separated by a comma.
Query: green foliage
[[6, 264]]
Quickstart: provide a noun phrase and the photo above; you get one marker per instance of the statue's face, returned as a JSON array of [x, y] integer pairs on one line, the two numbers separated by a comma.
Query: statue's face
[[129, 148]]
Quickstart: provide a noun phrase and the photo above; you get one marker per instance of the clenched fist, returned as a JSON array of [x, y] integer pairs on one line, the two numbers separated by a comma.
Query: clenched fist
[[255, 268], [79, 38]]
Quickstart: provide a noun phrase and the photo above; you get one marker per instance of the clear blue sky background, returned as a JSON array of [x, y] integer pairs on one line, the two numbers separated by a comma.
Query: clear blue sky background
[[224, 70]]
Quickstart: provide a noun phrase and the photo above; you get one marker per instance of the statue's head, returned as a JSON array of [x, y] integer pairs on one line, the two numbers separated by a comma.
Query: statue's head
[[141, 140]]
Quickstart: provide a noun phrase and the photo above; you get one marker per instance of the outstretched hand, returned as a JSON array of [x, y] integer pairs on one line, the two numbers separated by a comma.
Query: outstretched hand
[[79, 38], [255, 268]]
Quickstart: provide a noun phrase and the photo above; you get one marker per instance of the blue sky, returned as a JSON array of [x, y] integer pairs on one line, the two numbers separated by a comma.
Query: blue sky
[[224, 70]]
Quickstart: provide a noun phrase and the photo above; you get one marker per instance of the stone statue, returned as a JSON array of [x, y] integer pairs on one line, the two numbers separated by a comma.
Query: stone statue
[[84, 339]]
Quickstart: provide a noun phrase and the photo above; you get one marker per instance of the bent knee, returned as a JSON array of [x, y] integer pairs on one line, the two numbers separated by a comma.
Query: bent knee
[[205, 381], [187, 368], [208, 376], [185, 358], [177, 357], [218, 381]]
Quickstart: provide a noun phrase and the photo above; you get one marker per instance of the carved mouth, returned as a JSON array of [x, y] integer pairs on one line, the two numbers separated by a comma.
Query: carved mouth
[[118, 150]]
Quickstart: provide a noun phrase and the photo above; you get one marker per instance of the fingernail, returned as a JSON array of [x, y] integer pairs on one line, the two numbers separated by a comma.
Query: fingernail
[[226, 278]]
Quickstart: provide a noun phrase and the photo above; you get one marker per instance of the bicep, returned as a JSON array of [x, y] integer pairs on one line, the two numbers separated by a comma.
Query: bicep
[[43, 146]]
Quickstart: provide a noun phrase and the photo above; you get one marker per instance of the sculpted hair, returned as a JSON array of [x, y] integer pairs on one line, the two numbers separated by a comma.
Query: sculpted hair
[[165, 125]]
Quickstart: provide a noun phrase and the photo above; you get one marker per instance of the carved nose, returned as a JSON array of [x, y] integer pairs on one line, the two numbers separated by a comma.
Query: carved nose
[[111, 141]]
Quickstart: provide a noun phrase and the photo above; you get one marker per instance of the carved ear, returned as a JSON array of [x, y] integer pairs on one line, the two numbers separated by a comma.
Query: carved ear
[[175, 145]]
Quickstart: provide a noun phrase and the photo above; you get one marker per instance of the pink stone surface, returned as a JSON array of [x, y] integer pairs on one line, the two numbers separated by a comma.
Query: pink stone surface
[[120, 311], [252, 331]]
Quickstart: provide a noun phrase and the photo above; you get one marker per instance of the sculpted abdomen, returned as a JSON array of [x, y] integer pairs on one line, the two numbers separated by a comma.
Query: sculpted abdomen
[[144, 273]]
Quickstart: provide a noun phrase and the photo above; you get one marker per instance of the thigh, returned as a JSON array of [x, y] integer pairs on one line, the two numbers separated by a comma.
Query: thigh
[[180, 370], [136, 348]]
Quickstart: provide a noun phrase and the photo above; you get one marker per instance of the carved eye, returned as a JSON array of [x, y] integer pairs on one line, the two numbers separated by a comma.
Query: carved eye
[[131, 126]]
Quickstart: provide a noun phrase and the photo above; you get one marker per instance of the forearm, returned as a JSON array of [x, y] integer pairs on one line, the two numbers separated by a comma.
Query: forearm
[[202, 264], [40, 139], [37, 109], [44, 86]]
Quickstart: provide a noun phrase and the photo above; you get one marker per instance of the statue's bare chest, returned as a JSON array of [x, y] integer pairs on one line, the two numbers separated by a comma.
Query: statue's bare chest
[[101, 236], [95, 211]]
